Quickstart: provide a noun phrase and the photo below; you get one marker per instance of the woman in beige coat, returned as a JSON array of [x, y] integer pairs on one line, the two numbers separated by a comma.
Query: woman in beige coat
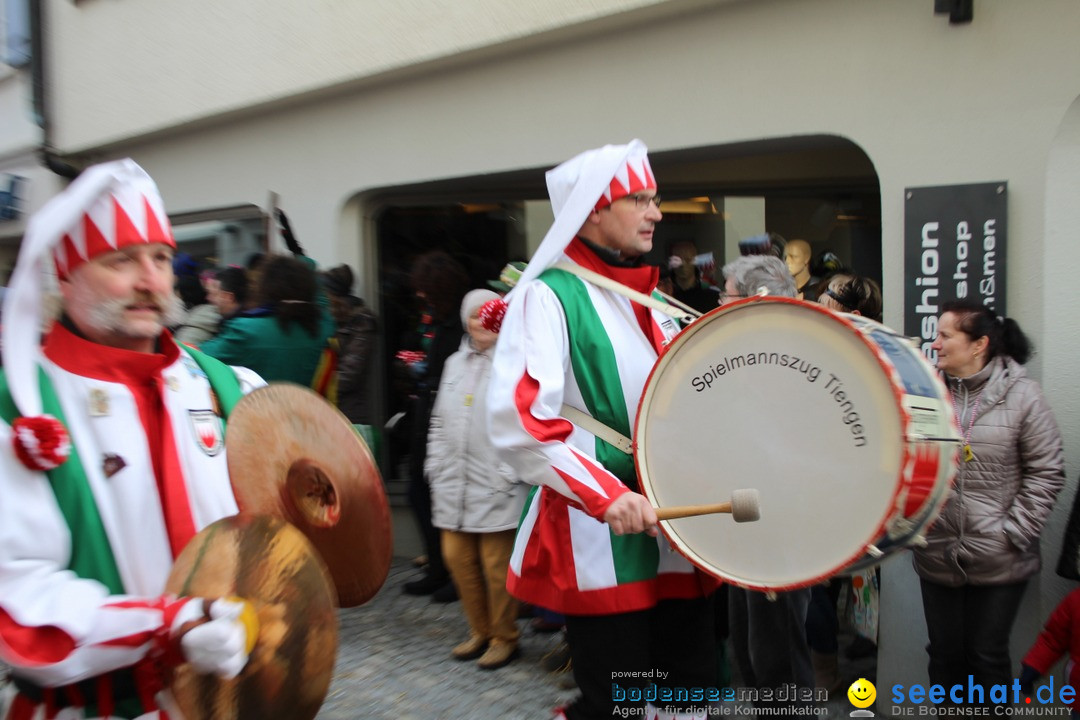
[[985, 545], [475, 499]]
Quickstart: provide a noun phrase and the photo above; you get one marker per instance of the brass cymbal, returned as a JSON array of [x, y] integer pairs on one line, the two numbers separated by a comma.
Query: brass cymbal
[[269, 563], [295, 456]]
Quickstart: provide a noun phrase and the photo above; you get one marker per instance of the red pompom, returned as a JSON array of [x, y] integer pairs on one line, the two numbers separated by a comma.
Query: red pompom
[[41, 442], [491, 314]]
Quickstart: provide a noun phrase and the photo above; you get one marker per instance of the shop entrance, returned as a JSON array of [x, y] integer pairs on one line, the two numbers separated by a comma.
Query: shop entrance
[[821, 189]]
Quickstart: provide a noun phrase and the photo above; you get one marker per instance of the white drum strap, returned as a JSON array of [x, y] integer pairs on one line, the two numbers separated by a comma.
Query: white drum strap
[[597, 428], [618, 288], [584, 420], [679, 303]]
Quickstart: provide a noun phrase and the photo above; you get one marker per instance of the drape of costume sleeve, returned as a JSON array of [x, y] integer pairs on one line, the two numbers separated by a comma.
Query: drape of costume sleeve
[[1056, 637], [55, 627]]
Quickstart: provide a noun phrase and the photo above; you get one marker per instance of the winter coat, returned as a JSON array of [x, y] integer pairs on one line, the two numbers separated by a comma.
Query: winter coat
[[199, 325], [471, 489], [988, 531], [255, 339], [356, 348]]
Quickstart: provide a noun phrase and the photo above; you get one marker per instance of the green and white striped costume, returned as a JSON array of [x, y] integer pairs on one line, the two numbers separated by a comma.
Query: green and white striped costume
[[564, 340]]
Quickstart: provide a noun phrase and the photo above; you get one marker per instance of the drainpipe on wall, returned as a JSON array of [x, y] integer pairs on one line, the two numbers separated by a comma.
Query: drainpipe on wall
[[46, 153]]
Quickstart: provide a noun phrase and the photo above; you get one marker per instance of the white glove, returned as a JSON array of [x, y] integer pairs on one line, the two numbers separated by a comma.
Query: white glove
[[220, 645]]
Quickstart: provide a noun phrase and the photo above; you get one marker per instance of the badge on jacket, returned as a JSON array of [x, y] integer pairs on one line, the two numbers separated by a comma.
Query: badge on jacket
[[209, 435], [112, 464], [99, 403]]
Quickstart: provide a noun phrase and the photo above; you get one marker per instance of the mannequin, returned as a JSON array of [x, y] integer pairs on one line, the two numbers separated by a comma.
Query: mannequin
[[797, 256]]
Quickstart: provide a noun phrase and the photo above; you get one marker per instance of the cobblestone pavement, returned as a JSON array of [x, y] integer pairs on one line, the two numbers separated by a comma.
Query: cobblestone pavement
[[394, 662]]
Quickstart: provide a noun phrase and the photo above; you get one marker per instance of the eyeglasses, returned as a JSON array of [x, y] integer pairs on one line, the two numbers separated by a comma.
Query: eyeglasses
[[642, 201], [724, 297]]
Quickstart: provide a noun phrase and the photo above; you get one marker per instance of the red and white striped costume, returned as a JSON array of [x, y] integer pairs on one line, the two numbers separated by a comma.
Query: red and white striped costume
[[144, 428], [565, 557]]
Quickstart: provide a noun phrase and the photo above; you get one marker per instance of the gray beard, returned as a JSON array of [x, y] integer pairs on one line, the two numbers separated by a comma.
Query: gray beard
[[109, 314]]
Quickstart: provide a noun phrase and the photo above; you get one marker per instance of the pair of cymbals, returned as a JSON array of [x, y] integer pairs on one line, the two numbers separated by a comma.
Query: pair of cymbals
[[313, 533], [294, 456]]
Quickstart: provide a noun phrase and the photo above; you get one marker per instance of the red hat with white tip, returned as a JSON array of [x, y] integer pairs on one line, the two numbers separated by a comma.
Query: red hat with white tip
[[108, 207]]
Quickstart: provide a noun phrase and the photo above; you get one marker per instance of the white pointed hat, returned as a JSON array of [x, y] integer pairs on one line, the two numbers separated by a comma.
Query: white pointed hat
[[108, 207], [586, 182]]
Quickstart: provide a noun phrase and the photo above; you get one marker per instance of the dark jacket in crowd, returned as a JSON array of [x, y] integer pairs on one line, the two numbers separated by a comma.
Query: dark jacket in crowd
[[356, 337]]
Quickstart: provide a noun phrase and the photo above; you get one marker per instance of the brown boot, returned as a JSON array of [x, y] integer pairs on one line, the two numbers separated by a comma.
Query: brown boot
[[498, 655], [826, 670], [471, 649]]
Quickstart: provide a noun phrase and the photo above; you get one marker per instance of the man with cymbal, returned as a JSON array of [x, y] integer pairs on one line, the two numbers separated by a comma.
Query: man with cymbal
[[638, 615], [111, 460]]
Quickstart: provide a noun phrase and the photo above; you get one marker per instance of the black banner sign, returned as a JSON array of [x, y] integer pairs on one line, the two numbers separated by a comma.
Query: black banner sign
[[954, 247]]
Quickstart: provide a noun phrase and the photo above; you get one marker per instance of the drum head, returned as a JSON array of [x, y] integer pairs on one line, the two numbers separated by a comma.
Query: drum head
[[786, 398]]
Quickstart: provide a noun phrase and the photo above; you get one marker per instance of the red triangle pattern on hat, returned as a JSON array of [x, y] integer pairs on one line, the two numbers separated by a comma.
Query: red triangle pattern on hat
[[69, 255], [634, 182], [96, 242]]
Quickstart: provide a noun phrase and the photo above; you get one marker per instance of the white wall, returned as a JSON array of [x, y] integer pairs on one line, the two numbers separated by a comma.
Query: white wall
[[1058, 344], [198, 59], [928, 102]]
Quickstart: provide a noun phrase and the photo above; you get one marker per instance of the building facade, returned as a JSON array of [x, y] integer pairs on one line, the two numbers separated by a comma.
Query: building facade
[[383, 127]]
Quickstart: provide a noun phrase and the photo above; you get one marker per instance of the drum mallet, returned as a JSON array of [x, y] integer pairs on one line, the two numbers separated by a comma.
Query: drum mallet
[[745, 506]]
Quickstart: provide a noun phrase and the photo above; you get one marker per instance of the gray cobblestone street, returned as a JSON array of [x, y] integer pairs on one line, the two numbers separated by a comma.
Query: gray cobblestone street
[[394, 662]]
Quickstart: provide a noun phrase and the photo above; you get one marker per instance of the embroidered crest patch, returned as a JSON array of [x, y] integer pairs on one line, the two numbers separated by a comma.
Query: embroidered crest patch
[[209, 434]]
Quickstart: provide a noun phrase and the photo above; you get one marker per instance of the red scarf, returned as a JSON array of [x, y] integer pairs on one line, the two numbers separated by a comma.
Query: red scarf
[[642, 278], [141, 373]]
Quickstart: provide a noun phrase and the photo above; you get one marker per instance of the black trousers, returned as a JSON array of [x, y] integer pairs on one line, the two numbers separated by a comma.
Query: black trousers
[[420, 492], [671, 645], [769, 640], [969, 628]]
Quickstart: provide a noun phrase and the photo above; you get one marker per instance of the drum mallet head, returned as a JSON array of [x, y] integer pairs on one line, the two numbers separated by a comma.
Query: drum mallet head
[[745, 505]]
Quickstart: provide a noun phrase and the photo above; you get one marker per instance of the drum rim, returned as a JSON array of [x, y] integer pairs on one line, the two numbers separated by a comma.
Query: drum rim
[[893, 507]]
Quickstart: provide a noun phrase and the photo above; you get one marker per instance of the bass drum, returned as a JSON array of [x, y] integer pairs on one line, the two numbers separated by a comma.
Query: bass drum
[[839, 423]]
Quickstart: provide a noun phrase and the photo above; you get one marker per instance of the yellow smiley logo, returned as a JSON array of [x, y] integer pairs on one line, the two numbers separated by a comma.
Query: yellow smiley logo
[[862, 693]]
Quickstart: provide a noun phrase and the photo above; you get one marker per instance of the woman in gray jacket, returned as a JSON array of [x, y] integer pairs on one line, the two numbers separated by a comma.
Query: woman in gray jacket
[[985, 545], [475, 499]]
